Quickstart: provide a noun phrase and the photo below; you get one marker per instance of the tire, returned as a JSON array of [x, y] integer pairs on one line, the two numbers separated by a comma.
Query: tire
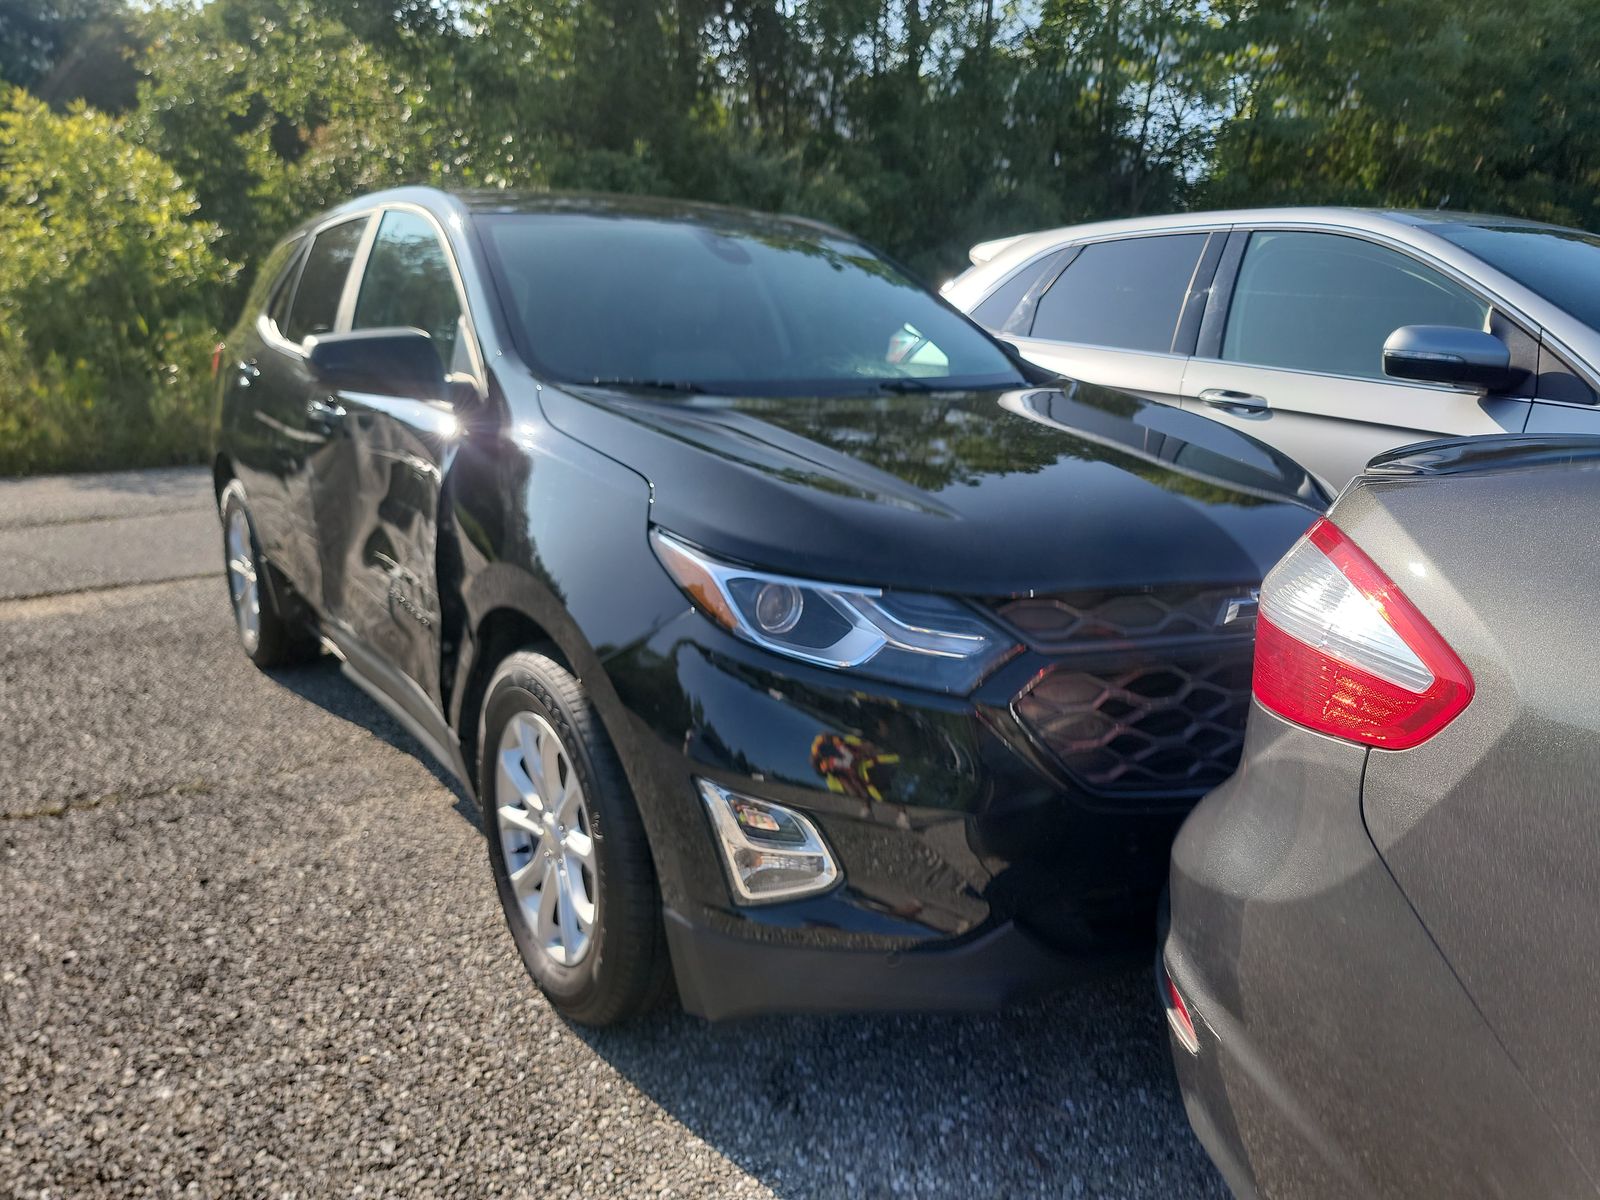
[[258, 594], [536, 715]]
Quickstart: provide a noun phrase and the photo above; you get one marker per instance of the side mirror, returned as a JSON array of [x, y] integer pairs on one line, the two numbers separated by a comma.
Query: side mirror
[[1448, 354], [386, 362]]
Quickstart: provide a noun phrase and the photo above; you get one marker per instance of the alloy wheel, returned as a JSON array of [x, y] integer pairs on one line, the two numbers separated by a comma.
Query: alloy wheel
[[243, 584], [543, 823]]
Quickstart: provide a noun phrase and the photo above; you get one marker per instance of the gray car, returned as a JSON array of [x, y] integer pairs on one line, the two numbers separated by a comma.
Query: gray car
[[1333, 334], [1384, 941]]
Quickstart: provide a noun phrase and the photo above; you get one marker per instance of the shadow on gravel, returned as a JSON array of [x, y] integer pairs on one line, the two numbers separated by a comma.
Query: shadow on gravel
[[1072, 1096], [324, 684]]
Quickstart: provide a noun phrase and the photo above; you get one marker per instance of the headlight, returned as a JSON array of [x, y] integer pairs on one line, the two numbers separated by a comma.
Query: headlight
[[925, 641]]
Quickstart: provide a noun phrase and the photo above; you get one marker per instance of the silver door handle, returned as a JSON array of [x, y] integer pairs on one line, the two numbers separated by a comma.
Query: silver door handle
[[1233, 401]]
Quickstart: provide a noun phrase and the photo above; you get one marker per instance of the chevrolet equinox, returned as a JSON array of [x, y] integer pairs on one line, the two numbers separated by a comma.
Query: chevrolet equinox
[[802, 646]]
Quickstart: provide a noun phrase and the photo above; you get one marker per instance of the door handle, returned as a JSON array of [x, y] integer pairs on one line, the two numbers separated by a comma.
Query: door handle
[[248, 371], [1230, 401], [323, 415]]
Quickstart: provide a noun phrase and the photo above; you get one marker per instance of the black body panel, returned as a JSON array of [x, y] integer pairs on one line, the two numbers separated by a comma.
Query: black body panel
[[1040, 491], [444, 537]]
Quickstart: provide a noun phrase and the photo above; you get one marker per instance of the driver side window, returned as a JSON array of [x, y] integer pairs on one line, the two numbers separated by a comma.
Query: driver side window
[[1326, 303], [408, 283]]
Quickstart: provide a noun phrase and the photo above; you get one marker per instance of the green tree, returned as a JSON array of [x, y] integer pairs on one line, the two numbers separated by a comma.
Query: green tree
[[1407, 102], [106, 290], [275, 111], [65, 50]]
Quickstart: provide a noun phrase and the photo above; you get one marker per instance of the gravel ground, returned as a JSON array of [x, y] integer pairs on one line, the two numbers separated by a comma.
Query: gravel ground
[[67, 532], [251, 948]]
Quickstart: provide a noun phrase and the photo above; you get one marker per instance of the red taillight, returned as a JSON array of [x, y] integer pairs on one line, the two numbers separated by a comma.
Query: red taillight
[[216, 359], [1178, 1018], [1341, 650]]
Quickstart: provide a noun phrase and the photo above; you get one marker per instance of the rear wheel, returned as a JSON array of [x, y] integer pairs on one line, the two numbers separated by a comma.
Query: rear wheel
[[570, 860], [269, 637]]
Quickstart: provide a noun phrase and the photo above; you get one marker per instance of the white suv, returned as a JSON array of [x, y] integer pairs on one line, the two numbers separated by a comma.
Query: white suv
[[1333, 334]]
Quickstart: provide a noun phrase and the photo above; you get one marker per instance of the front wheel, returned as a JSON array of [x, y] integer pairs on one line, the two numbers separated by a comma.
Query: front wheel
[[571, 863]]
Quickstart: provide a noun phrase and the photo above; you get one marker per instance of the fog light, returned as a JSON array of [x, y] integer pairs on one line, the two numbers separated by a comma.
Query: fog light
[[771, 852]]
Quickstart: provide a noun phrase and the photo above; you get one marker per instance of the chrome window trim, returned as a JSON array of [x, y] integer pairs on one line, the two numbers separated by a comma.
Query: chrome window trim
[[1017, 337]]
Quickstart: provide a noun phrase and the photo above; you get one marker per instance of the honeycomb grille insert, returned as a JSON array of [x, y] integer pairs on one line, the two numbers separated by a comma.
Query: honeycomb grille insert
[[1151, 695], [1055, 623]]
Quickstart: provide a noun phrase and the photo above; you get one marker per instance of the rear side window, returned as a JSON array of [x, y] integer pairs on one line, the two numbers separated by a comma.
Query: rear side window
[[272, 281], [283, 289], [408, 282], [1325, 302], [999, 304], [1126, 294], [316, 296]]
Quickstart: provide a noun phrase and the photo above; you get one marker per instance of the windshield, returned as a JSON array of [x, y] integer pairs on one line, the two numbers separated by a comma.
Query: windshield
[[1562, 265], [749, 306]]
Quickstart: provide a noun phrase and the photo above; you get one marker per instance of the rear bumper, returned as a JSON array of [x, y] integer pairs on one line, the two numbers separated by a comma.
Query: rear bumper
[[722, 975], [1338, 1055]]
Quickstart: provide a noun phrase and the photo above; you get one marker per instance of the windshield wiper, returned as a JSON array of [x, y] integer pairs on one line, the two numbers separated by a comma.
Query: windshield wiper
[[904, 383], [664, 385]]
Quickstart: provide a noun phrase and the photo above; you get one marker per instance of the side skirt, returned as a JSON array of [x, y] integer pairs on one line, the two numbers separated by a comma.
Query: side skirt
[[404, 701]]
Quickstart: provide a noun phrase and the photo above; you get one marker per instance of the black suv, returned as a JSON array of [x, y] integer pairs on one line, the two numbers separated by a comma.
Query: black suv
[[799, 643]]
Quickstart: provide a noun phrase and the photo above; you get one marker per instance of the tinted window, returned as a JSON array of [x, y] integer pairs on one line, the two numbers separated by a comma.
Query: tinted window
[[1126, 294], [273, 279], [726, 303], [1322, 302], [408, 282], [1562, 265], [999, 304], [283, 290], [316, 296]]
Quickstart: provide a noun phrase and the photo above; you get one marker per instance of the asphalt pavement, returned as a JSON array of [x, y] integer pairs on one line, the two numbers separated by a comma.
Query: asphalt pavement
[[250, 947]]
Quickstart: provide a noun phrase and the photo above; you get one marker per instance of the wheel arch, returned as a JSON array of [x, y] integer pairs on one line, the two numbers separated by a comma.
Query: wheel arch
[[222, 473], [499, 633]]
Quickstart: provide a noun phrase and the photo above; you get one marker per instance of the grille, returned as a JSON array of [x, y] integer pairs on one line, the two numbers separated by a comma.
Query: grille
[[1056, 623], [1150, 696]]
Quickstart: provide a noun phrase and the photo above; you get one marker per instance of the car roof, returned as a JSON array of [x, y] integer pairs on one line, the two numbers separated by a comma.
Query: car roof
[[1371, 219], [492, 201]]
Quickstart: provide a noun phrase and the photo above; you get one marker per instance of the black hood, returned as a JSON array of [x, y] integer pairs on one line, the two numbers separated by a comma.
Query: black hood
[[982, 493]]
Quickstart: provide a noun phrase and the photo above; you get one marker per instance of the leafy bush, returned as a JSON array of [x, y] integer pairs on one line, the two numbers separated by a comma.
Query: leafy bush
[[273, 110], [107, 290]]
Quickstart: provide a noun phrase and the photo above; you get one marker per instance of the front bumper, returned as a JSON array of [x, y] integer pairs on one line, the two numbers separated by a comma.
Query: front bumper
[[722, 975], [1338, 1055], [972, 874]]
